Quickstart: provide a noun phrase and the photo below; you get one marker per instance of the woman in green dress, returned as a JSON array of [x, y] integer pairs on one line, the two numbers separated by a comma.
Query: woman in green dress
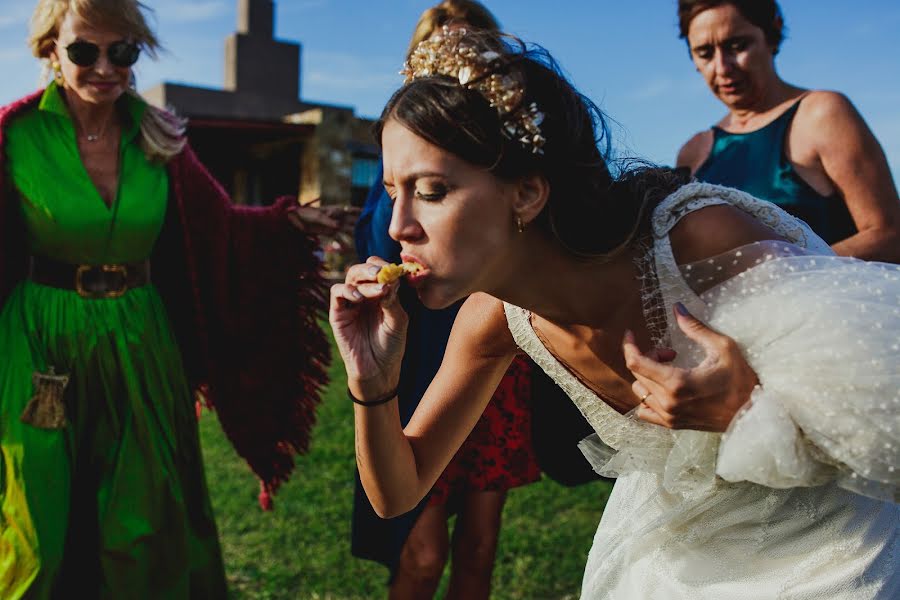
[[102, 487]]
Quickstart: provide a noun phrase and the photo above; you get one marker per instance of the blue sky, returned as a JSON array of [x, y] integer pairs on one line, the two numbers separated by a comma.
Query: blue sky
[[624, 55]]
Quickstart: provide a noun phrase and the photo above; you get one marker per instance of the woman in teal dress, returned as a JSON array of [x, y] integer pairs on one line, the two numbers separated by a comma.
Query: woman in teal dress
[[102, 487], [808, 151]]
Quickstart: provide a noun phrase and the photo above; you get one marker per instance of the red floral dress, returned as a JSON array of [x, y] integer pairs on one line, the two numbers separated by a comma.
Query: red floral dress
[[498, 454]]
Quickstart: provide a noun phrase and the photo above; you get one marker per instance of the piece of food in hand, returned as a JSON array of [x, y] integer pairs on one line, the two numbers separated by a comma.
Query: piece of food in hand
[[391, 272]]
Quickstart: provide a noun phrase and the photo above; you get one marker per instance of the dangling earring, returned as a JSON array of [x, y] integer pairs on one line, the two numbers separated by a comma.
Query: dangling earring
[[132, 81], [520, 225], [57, 72]]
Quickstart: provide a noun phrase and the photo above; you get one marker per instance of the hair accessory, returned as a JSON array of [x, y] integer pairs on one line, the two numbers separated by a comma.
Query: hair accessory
[[452, 54]]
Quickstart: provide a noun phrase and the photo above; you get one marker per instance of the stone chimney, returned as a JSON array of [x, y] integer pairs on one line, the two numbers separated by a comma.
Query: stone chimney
[[256, 17], [255, 62]]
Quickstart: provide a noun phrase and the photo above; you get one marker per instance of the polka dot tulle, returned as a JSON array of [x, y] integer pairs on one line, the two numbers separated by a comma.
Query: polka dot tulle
[[822, 333]]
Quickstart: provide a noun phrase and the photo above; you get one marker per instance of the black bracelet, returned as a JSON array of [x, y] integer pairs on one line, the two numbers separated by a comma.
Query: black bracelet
[[381, 400]]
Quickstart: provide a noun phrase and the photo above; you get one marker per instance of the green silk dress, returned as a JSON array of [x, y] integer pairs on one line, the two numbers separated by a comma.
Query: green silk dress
[[115, 504]]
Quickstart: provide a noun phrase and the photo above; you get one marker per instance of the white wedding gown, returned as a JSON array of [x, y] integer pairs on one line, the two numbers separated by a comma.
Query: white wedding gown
[[797, 499]]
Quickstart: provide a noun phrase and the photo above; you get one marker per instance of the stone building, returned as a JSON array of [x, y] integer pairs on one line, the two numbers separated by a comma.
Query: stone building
[[258, 138]]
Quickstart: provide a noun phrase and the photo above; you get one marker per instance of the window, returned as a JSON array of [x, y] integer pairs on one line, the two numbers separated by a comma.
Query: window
[[365, 171], [363, 175]]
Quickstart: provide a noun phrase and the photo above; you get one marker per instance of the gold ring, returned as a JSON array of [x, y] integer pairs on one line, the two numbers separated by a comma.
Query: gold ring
[[645, 396]]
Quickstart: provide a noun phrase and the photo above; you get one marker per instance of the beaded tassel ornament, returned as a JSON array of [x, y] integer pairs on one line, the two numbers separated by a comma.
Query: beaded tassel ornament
[[46, 408]]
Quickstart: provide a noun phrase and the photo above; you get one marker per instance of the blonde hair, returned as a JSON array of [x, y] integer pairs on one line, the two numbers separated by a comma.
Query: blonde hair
[[162, 132], [467, 12]]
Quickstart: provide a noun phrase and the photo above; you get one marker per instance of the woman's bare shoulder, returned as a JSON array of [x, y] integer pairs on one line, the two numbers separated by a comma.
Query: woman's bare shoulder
[[481, 323], [825, 103], [714, 230], [822, 110]]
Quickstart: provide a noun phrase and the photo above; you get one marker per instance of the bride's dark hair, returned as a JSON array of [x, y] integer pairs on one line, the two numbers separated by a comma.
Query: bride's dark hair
[[597, 207]]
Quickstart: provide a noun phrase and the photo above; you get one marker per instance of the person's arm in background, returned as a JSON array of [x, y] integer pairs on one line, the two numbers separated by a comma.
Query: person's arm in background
[[846, 150], [244, 291], [695, 151]]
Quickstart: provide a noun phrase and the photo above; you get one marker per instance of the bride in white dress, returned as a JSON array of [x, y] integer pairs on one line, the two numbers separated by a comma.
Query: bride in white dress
[[796, 499], [782, 481]]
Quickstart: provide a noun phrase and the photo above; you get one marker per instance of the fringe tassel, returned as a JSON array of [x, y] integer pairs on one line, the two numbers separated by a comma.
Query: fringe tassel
[[201, 400], [265, 497]]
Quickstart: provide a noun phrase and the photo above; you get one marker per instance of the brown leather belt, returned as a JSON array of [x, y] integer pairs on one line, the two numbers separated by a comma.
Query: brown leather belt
[[90, 281]]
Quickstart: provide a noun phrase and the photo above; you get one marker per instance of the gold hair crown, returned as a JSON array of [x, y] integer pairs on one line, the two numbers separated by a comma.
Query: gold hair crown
[[450, 54]]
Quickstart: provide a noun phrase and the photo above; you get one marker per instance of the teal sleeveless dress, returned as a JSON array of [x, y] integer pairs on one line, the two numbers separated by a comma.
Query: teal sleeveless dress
[[756, 163], [115, 503]]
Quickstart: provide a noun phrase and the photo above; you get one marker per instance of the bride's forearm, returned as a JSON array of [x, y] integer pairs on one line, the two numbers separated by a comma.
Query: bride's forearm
[[386, 461], [398, 466]]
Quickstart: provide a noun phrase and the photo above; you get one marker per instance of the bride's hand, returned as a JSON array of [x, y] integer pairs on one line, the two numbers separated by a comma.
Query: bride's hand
[[370, 330], [706, 397]]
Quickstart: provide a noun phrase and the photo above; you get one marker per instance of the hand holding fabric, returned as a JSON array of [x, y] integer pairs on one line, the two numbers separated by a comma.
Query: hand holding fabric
[[705, 397]]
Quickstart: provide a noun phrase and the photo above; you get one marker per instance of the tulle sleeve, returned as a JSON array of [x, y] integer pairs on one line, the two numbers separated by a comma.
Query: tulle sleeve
[[823, 335]]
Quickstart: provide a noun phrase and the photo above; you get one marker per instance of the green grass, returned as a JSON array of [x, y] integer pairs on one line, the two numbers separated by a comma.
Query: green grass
[[302, 548]]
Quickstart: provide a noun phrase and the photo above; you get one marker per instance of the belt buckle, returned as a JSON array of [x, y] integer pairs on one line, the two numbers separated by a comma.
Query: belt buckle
[[104, 270]]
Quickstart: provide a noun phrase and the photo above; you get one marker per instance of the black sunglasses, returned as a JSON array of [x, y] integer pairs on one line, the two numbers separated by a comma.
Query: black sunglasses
[[121, 54]]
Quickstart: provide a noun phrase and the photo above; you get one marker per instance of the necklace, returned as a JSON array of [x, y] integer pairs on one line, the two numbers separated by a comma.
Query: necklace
[[93, 137]]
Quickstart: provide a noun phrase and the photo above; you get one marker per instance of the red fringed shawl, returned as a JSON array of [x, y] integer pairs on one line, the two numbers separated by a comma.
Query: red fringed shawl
[[244, 293]]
